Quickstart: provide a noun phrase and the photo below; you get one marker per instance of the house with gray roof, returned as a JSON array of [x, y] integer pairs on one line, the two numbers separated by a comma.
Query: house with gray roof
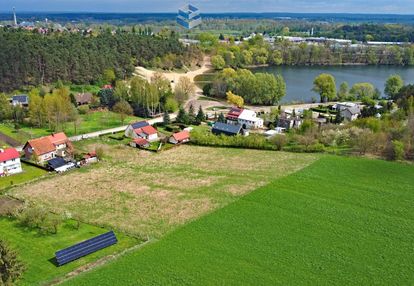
[[227, 129], [20, 100]]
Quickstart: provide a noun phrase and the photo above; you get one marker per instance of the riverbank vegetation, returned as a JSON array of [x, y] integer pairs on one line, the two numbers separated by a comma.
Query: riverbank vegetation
[[256, 51], [258, 89]]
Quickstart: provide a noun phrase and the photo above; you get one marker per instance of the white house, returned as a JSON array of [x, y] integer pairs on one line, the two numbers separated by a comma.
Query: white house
[[244, 117], [9, 162], [249, 120]]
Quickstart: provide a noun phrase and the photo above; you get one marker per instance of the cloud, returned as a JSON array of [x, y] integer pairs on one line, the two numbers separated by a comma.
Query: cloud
[[298, 6]]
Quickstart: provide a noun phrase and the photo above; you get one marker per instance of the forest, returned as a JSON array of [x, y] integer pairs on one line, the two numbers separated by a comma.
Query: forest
[[32, 59]]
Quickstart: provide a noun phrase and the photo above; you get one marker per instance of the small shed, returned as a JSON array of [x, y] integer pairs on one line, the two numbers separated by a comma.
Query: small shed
[[139, 143], [180, 137]]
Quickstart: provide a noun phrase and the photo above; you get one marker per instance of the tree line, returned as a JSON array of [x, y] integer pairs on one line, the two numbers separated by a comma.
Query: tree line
[[29, 58], [256, 51]]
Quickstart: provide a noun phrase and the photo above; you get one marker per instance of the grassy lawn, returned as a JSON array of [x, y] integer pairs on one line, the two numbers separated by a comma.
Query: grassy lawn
[[91, 122], [18, 135], [29, 173], [340, 221], [37, 251], [150, 194]]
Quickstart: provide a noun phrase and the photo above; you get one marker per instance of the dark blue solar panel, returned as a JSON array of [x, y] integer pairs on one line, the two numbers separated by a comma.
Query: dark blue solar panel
[[85, 247]]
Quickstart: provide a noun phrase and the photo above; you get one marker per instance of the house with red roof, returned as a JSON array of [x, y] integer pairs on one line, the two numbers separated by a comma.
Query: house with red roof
[[180, 137], [142, 129], [140, 143], [246, 118], [48, 147], [9, 162]]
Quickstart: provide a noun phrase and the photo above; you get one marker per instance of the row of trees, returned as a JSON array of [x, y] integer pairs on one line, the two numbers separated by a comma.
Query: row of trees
[[256, 51], [325, 86], [259, 88], [144, 98], [29, 58]]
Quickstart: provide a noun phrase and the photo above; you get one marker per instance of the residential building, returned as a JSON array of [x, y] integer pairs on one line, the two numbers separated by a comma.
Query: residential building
[[142, 129], [20, 100], [9, 162], [246, 118], [48, 147], [287, 121], [226, 129], [348, 110], [83, 98], [180, 137], [350, 113], [129, 132], [249, 120]]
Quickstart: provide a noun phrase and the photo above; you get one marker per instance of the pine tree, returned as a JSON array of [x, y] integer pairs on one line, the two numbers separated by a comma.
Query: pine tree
[[166, 118], [200, 116], [191, 114], [11, 269], [221, 118], [182, 116]]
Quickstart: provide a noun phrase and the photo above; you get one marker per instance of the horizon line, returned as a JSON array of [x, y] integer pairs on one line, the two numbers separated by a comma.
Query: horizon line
[[213, 13]]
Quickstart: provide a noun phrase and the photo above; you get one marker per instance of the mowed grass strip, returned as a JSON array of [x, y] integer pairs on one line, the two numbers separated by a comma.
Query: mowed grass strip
[[37, 250], [87, 123], [29, 173], [340, 221]]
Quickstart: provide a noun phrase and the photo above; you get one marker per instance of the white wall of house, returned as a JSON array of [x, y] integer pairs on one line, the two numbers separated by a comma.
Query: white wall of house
[[129, 132], [152, 137], [347, 115], [248, 119], [46, 157], [10, 167]]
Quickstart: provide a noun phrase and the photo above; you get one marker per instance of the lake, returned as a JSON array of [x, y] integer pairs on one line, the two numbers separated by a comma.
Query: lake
[[299, 80]]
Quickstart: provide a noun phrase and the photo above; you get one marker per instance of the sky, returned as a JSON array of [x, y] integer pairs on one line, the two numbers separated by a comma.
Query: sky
[[214, 6]]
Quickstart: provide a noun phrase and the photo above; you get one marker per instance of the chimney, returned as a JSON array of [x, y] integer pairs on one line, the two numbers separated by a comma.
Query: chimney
[[14, 17]]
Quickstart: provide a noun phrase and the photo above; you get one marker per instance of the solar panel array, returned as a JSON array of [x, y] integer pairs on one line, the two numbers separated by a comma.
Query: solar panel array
[[85, 247]]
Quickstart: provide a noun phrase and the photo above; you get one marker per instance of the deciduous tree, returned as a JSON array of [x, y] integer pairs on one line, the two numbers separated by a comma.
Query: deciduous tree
[[325, 86]]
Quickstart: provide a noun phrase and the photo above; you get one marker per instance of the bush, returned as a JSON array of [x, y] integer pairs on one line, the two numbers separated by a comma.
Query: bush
[[398, 150], [279, 141], [32, 217], [172, 128], [39, 218], [253, 141], [83, 109], [116, 137]]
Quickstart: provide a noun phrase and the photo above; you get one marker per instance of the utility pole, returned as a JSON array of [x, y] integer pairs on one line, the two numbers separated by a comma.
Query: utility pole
[[14, 17]]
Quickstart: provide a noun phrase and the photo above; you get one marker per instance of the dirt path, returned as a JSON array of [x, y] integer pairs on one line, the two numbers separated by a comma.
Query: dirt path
[[174, 77], [8, 140]]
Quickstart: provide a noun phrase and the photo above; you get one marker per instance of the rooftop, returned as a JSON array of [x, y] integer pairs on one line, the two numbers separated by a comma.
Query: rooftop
[[8, 154]]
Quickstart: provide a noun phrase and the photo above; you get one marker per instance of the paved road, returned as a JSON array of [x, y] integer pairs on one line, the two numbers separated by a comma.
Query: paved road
[[114, 130]]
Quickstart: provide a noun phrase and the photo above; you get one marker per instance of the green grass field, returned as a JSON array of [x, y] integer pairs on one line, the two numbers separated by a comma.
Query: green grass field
[[37, 250], [91, 122], [340, 221], [29, 173]]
